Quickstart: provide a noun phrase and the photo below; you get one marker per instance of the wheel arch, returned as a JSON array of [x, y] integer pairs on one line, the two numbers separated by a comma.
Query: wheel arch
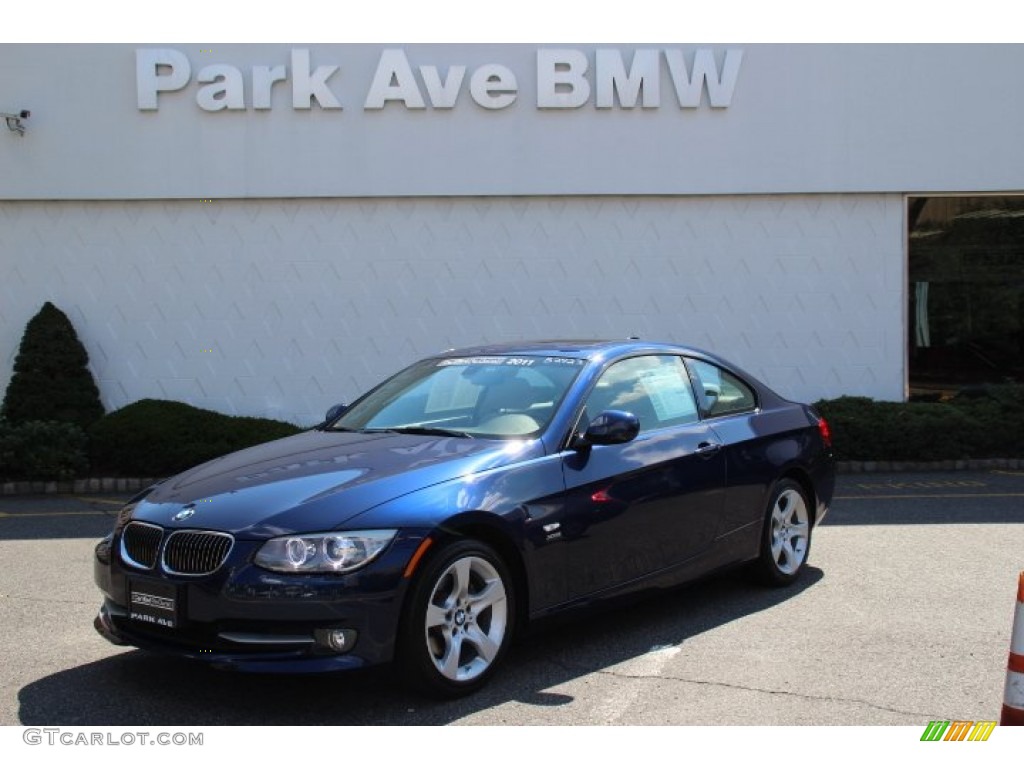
[[766, 568]]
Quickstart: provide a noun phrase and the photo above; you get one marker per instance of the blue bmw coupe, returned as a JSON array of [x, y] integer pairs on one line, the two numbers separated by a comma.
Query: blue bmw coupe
[[464, 498]]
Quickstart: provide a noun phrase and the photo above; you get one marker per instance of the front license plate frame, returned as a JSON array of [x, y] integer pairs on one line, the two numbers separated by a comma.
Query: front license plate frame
[[154, 603]]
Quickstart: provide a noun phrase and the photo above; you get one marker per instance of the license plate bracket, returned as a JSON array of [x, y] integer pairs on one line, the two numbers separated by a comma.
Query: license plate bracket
[[154, 603]]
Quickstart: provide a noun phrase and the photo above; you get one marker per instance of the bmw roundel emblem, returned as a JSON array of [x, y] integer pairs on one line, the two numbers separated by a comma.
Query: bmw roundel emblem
[[185, 514]]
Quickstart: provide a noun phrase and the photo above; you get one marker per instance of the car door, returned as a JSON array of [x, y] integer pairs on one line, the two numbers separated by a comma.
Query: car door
[[758, 444], [643, 506]]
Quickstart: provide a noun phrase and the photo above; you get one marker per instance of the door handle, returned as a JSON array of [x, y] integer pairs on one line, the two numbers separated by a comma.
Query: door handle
[[707, 449]]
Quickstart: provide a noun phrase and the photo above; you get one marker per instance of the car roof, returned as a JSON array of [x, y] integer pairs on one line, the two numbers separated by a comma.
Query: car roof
[[574, 348]]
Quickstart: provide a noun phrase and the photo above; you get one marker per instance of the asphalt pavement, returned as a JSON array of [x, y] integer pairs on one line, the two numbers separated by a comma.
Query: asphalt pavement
[[902, 617]]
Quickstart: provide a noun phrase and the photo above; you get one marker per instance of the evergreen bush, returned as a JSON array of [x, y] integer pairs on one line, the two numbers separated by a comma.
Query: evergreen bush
[[51, 379]]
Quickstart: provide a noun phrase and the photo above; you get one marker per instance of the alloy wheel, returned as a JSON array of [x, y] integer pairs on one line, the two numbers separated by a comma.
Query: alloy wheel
[[466, 619], [790, 531]]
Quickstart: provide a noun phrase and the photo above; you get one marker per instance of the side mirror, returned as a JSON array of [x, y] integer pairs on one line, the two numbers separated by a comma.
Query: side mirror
[[334, 412], [610, 428]]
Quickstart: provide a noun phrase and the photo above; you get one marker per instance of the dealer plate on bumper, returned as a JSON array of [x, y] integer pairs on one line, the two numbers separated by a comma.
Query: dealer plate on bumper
[[154, 603]]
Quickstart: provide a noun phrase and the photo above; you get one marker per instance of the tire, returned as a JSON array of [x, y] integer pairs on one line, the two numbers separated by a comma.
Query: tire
[[786, 536], [459, 620]]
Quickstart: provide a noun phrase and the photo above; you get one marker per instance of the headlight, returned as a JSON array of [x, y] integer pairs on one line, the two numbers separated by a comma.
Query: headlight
[[125, 515], [103, 549], [334, 552], [129, 507]]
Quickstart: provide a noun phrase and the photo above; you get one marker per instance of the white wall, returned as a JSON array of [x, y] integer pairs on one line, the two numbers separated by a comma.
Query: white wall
[[801, 118], [283, 307]]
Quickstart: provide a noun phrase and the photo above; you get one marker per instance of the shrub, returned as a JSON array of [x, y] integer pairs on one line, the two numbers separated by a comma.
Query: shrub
[[986, 426], [42, 450], [999, 411], [157, 438], [51, 380]]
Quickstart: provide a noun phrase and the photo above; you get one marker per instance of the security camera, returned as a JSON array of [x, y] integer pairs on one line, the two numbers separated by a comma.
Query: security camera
[[14, 121]]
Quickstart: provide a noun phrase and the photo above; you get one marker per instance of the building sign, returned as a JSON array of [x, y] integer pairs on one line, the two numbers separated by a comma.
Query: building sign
[[208, 120], [564, 78]]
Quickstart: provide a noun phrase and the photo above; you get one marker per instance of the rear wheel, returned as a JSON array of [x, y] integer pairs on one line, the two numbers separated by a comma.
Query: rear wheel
[[459, 620], [786, 537]]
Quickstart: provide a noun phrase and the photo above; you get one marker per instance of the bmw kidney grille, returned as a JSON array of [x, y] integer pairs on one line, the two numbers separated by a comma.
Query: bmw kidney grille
[[196, 553], [185, 553], [140, 543]]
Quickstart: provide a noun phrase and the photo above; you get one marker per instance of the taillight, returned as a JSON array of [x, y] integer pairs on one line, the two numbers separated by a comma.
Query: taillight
[[825, 432]]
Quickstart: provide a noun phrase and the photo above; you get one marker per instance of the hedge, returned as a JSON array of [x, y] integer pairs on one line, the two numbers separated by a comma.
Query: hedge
[[986, 425], [42, 450], [157, 438]]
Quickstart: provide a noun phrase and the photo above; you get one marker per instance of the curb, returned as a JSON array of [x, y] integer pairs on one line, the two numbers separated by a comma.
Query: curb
[[82, 485], [135, 484]]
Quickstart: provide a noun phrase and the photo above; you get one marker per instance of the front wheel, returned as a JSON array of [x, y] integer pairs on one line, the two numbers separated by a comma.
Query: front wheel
[[459, 620], [786, 537]]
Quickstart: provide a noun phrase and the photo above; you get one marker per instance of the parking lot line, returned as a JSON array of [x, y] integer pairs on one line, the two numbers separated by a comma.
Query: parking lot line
[[94, 500], [922, 484]]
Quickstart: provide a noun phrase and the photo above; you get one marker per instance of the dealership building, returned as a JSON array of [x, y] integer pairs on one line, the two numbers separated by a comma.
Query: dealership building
[[271, 229]]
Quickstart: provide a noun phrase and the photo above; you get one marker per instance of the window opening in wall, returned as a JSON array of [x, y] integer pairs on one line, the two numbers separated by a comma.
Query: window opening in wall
[[966, 294]]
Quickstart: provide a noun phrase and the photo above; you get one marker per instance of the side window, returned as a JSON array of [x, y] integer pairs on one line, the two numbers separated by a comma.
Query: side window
[[723, 392], [656, 389]]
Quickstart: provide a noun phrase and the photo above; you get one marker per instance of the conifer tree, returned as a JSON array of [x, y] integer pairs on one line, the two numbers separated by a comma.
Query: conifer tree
[[51, 380]]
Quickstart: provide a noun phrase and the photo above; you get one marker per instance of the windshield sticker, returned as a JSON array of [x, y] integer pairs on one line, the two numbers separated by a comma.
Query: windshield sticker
[[471, 361], [523, 362]]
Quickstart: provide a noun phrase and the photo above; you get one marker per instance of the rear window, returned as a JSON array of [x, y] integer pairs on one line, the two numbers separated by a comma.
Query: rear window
[[721, 392]]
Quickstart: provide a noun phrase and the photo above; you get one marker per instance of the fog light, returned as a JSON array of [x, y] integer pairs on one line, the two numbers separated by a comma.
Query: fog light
[[337, 640]]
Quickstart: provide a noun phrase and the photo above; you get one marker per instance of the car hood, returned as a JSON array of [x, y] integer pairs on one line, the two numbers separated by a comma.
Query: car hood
[[317, 481]]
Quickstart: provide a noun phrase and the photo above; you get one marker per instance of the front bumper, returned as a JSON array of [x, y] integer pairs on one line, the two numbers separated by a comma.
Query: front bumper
[[112, 623], [249, 619]]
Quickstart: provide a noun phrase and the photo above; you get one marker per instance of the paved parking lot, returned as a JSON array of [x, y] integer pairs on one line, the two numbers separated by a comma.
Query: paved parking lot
[[903, 617]]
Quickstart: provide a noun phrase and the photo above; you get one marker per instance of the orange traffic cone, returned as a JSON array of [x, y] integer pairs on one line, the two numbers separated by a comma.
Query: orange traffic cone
[[1013, 694]]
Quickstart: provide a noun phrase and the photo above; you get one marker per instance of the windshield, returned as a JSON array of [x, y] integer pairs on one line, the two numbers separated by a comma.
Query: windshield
[[495, 396]]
